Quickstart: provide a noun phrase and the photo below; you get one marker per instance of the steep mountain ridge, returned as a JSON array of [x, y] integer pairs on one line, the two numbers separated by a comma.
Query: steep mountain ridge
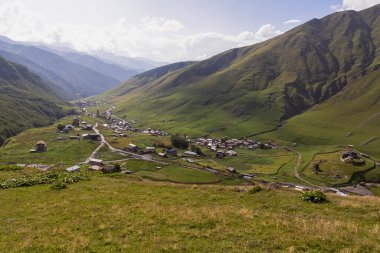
[[74, 79], [25, 100], [48, 76], [257, 87]]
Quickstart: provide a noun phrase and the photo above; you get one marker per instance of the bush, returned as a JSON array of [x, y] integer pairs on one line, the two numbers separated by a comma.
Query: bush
[[196, 150], [117, 167], [58, 185], [44, 178], [314, 196], [60, 127], [255, 189]]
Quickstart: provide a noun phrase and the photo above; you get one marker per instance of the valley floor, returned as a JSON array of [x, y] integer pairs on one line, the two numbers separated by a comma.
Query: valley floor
[[173, 205]]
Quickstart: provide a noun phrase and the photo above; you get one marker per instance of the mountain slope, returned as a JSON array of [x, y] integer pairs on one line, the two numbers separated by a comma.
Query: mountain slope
[[25, 100], [253, 89], [350, 117], [48, 76], [119, 73], [74, 79], [147, 77]]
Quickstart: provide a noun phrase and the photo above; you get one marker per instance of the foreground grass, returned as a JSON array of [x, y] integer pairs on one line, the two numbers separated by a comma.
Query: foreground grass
[[121, 214], [182, 175]]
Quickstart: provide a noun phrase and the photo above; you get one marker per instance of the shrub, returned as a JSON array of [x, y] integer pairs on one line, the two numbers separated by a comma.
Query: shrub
[[255, 189], [60, 127], [313, 196], [196, 150], [58, 185], [117, 167], [44, 178]]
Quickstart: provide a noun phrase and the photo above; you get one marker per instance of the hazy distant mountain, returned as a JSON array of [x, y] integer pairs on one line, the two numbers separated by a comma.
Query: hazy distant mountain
[[74, 79], [49, 77], [128, 63], [137, 64], [25, 100], [121, 74]]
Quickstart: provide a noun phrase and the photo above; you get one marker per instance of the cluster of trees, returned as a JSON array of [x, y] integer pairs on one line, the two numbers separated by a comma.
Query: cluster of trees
[[179, 141]]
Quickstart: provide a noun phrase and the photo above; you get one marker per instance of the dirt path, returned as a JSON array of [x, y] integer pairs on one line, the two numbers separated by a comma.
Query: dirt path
[[297, 166], [298, 176], [113, 149], [94, 153]]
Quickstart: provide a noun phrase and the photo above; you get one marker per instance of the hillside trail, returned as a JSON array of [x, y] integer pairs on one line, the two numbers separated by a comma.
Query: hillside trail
[[298, 176], [113, 149]]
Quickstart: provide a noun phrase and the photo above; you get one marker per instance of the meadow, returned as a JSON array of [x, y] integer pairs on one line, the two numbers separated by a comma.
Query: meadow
[[17, 149], [332, 170], [123, 213]]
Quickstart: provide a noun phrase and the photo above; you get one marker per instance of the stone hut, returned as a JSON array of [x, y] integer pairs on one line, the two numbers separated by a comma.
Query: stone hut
[[41, 146], [76, 122]]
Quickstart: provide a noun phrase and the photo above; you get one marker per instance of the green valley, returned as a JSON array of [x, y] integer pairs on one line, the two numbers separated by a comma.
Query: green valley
[[270, 145]]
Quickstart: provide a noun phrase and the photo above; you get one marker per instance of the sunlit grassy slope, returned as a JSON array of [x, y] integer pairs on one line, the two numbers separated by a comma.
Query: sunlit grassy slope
[[67, 151], [351, 117], [121, 214], [250, 90]]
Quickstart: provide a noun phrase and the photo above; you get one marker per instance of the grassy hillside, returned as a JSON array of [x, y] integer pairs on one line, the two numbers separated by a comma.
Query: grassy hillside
[[351, 117], [123, 214], [257, 87], [52, 79], [25, 100], [65, 151], [147, 77]]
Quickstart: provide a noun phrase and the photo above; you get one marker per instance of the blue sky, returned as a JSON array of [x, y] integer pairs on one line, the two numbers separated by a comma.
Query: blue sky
[[232, 16], [163, 30]]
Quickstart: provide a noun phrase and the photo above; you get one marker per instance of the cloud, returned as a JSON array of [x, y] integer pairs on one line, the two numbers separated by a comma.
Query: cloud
[[162, 25], [292, 21], [354, 5], [154, 38]]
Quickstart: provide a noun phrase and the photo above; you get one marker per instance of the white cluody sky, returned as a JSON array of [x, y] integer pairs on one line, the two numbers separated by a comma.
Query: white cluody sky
[[161, 30]]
